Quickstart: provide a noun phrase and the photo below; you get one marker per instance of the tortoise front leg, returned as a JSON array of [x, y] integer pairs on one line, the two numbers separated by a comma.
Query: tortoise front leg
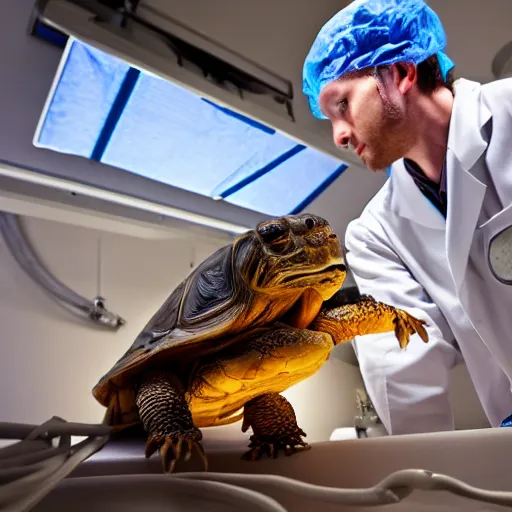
[[165, 414], [274, 425], [367, 316]]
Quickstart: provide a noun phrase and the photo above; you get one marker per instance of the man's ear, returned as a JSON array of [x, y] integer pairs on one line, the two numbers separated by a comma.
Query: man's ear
[[405, 75]]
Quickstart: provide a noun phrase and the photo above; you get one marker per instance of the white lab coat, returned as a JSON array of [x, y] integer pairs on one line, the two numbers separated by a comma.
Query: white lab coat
[[403, 252]]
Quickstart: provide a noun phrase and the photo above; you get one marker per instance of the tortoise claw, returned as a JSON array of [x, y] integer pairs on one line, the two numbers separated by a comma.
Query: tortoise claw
[[289, 445], [173, 448], [406, 325], [202, 455], [152, 445], [188, 451]]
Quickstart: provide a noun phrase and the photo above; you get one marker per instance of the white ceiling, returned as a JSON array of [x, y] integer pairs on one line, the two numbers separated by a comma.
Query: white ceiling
[[278, 32]]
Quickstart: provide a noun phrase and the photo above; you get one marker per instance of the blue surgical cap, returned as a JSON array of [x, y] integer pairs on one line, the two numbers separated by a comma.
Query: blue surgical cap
[[370, 33]]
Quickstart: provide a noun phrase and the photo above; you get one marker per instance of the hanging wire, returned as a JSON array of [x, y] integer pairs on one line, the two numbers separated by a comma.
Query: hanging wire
[[99, 267], [192, 256]]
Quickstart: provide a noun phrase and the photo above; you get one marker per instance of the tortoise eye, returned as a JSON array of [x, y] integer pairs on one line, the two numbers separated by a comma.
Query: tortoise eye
[[310, 223], [271, 232]]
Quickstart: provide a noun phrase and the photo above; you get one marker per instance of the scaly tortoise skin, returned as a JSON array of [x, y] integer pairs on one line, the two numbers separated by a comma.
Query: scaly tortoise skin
[[244, 326]]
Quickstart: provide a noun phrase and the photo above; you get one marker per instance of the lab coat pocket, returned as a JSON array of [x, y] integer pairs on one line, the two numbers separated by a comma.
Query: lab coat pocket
[[497, 239]]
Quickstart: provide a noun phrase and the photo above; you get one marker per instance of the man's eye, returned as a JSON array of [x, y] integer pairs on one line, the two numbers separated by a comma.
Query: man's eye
[[343, 105]]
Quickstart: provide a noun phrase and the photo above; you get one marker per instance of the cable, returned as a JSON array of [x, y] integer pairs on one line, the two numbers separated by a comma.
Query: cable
[[392, 489], [21, 251], [205, 495], [31, 468], [376, 495]]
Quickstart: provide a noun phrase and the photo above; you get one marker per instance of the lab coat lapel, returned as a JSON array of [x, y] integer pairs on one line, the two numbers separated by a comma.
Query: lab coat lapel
[[465, 197], [465, 193], [410, 201]]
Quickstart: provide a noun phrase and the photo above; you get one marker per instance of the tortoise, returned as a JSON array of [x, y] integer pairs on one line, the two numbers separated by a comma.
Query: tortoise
[[246, 324]]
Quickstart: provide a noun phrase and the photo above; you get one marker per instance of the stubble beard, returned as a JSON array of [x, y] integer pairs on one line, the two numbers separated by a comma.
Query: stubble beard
[[390, 137]]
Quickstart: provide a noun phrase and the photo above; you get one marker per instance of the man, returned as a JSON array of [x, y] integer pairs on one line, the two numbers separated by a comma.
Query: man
[[433, 241]]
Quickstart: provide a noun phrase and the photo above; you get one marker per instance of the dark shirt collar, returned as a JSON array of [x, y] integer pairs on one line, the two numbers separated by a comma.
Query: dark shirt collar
[[435, 192]]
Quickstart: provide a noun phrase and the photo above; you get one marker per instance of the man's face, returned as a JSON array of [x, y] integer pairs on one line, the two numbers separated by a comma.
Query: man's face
[[371, 115]]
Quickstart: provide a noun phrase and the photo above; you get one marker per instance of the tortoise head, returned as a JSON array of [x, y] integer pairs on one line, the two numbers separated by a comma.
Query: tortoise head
[[294, 253]]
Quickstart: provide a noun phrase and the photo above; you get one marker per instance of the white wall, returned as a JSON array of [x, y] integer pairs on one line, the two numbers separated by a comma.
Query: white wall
[[475, 31]]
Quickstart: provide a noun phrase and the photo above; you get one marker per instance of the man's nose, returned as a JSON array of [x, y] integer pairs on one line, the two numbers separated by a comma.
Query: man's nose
[[341, 134]]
